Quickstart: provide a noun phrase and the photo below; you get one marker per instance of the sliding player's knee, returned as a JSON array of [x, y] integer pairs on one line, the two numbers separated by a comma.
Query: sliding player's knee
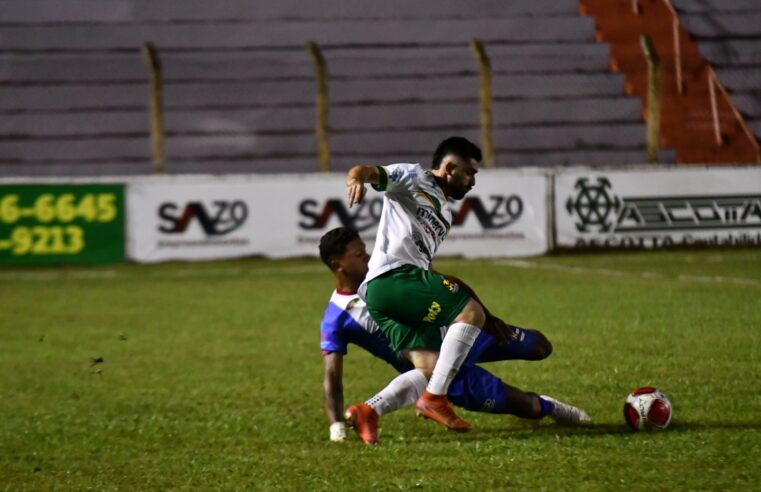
[[543, 347], [472, 314]]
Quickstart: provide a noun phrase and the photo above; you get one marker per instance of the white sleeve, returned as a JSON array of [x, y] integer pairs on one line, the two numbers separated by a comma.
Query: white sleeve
[[399, 177]]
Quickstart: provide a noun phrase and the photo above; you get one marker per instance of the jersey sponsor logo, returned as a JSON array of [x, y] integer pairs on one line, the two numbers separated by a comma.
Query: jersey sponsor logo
[[433, 311], [221, 218], [428, 218], [421, 246]]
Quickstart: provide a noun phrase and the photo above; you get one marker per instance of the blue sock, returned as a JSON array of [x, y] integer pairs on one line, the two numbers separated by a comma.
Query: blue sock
[[547, 406]]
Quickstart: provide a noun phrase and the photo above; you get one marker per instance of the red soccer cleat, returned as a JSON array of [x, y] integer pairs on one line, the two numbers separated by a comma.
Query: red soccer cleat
[[365, 422], [438, 409]]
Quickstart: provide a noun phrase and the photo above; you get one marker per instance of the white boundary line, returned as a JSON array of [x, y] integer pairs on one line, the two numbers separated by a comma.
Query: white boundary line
[[188, 272], [606, 272]]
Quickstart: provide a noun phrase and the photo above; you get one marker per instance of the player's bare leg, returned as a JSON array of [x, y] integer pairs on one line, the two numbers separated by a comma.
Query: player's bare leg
[[533, 406]]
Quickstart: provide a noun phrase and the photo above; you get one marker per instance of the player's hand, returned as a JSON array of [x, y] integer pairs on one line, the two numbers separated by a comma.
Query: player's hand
[[337, 431], [355, 191]]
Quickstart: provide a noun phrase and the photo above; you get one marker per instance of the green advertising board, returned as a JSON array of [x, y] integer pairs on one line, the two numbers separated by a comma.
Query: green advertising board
[[55, 224]]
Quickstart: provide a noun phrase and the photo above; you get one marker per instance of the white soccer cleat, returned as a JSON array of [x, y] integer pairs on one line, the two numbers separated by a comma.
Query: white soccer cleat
[[565, 413]]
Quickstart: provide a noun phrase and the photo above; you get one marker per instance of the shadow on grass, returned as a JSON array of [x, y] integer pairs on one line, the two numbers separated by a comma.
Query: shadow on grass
[[526, 429], [520, 430]]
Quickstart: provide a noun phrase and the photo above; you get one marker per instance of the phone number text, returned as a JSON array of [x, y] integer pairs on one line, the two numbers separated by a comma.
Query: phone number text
[[64, 208]]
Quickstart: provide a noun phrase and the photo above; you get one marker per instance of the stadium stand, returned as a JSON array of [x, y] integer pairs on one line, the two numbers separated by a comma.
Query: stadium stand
[[729, 36], [239, 93], [714, 36]]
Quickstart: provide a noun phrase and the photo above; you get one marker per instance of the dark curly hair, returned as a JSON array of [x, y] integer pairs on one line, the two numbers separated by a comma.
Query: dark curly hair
[[459, 146], [333, 243]]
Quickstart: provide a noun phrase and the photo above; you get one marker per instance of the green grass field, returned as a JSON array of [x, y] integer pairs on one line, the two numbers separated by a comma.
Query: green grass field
[[211, 379]]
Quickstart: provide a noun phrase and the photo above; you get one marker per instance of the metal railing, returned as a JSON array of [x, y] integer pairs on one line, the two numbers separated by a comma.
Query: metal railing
[[653, 98], [157, 107], [675, 25], [322, 103], [714, 85], [479, 51]]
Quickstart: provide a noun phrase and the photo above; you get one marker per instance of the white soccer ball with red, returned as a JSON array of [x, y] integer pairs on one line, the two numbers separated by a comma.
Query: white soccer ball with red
[[647, 408]]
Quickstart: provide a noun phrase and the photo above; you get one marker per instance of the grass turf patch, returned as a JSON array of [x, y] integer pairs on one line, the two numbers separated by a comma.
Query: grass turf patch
[[208, 376]]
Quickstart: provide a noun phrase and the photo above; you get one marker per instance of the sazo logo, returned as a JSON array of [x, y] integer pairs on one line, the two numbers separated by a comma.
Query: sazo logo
[[365, 216], [500, 212], [221, 218]]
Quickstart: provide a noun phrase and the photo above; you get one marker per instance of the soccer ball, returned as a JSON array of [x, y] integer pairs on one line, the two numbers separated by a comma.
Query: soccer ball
[[647, 408]]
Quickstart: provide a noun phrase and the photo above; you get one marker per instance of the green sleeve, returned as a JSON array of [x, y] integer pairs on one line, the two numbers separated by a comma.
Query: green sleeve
[[383, 184]]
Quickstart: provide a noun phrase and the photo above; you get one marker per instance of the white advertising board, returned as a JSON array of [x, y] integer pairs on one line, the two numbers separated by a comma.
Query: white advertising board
[[504, 215], [285, 215], [175, 220], [658, 208]]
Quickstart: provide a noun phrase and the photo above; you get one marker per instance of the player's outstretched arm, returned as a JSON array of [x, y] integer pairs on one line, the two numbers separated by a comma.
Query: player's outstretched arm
[[334, 395], [355, 182]]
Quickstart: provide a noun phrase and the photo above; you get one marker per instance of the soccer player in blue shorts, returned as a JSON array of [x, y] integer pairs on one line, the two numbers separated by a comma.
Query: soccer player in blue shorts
[[347, 320]]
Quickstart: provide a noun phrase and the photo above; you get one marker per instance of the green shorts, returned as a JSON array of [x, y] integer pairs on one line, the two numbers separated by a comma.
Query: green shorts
[[411, 305]]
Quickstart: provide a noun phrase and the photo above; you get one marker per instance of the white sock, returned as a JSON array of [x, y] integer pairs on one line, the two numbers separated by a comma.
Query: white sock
[[454, 349], [403, 390]]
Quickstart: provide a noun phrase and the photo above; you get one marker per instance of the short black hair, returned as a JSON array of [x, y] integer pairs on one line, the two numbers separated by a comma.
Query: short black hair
[[333, 243], [459, 146]]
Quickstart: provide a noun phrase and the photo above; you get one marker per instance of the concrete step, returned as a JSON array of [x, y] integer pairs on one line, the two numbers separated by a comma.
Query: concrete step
[[294, 35], [269, 93], [90, 68], [745, 79], [403, 115], [731, 52], [725, 6], [723, 25], [137, 11], [116, 167], [255, 146]]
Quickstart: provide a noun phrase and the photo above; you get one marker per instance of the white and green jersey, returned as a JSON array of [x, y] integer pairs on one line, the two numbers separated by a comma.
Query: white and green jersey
[[414, 222]]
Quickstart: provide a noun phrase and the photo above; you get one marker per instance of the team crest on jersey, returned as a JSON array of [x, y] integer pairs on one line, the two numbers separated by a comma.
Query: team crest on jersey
[[452, 286]]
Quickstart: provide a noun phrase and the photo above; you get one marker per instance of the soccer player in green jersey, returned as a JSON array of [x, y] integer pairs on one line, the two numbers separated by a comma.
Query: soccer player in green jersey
[[409, 301]]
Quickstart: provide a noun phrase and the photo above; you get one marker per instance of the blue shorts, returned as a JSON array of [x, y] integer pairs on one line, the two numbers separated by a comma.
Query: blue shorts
[[486, 348], [474, 388]]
